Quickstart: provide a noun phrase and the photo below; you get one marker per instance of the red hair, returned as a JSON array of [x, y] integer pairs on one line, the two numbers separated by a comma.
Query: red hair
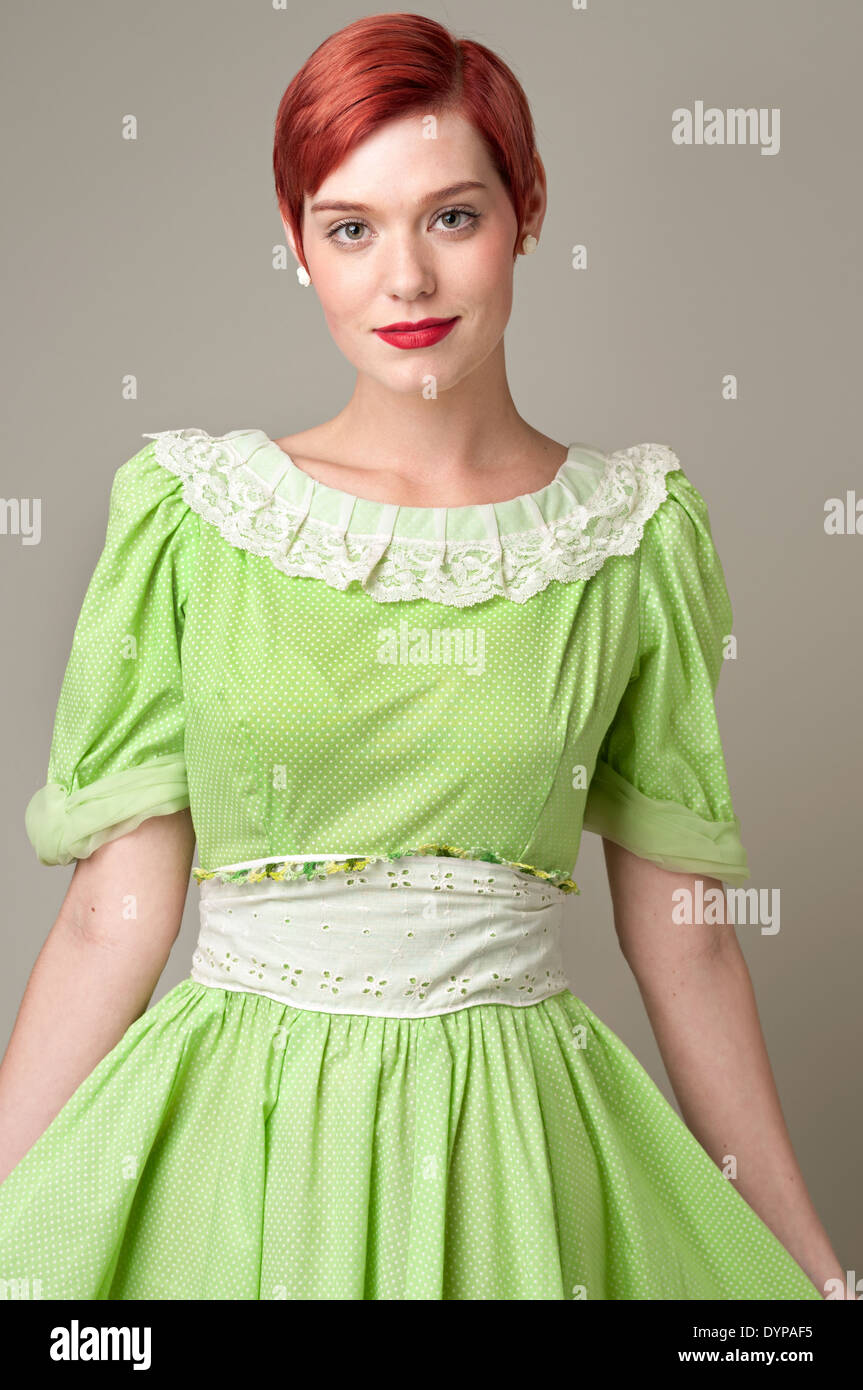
[[385, 66]]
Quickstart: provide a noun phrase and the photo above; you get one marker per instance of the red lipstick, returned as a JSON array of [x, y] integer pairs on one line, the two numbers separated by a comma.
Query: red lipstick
[[419, 334]]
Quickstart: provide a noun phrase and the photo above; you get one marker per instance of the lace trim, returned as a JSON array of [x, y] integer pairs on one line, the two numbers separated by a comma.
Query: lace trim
[[224, 490], [319, 868]]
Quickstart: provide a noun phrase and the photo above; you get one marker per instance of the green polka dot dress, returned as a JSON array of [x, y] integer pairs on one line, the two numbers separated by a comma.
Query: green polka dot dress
[[391, 724]]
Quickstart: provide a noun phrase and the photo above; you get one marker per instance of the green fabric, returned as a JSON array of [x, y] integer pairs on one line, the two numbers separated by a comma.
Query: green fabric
[[298, 738], [233, 1147], [117, 753], [65, 826], [660, 786], [619, 812]]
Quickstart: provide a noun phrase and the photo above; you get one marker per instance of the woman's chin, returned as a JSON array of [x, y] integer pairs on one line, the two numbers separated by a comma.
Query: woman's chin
[[422, 373]]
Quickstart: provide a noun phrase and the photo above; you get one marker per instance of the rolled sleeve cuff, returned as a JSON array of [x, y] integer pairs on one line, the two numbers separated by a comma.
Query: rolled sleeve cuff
[[63, 826], [665, 832]]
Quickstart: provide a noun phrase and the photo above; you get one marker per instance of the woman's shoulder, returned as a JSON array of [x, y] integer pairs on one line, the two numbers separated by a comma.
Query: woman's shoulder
[[147, 470], [682, 520], [150, 502]]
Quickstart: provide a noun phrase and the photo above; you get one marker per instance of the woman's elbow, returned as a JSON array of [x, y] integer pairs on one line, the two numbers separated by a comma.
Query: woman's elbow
[[138, 881], [662, 915]]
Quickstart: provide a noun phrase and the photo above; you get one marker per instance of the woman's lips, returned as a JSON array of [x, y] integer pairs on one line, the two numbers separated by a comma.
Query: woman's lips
[[423, 333]]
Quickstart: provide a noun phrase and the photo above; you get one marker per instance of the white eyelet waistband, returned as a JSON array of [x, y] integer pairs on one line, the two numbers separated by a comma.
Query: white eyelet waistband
[[420, 936]]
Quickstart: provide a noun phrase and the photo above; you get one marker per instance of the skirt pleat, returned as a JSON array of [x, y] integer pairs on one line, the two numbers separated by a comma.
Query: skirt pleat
[[232, 1146]]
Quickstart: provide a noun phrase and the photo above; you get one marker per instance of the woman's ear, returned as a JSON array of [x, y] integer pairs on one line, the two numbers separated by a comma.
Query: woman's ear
[[537, 201]]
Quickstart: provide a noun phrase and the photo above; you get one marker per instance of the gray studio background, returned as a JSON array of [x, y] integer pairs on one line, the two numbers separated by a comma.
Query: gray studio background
[[153, 257]]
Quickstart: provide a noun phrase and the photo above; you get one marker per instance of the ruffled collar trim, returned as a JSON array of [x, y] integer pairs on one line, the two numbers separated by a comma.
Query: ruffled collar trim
[[252, 491]]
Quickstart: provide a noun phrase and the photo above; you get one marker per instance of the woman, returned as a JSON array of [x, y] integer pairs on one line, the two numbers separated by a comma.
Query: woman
[[384, 670]]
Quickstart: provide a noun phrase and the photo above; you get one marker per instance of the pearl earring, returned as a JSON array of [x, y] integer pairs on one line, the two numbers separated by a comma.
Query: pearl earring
[[303, 275], [529, 244]]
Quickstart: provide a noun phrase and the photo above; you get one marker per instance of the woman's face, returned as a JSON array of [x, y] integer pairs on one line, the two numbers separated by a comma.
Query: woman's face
[[398, 250]]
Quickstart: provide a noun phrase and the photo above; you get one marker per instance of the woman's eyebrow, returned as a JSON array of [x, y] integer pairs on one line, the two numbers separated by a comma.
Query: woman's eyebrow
[[449, 192]]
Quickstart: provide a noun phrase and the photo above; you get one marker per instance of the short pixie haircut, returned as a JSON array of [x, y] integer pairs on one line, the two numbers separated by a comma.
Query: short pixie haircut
[[383, 67]]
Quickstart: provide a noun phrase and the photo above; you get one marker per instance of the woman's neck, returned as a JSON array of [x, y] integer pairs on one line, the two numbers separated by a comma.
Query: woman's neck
[[468, 444]]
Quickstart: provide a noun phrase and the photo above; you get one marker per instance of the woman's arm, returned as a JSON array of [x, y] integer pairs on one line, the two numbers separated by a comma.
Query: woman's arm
[[699, 998], [95, 973]]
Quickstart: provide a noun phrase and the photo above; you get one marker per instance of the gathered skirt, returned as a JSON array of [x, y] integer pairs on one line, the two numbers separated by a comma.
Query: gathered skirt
[[234, 1145]]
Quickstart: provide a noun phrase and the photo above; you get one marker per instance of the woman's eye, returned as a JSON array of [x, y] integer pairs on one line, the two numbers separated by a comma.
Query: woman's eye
[[354, 230], [455, 212], [333, 233]]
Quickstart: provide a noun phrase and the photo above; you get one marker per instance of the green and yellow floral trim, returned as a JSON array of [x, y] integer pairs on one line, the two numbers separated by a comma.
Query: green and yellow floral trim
[[319, 868]]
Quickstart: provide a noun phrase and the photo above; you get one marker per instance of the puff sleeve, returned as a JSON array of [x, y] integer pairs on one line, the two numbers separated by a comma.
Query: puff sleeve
[[660, 786], [116, 754]]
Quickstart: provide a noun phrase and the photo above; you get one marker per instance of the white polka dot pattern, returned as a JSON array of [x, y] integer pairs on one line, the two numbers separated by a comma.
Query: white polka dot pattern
[[233, 1145], [299, 718]]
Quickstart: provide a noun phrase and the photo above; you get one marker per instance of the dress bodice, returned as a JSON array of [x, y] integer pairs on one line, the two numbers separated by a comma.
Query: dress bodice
[[319, 676]]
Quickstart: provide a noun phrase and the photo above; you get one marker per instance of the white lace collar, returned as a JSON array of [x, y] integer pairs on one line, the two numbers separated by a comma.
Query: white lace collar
[[248, 487]]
